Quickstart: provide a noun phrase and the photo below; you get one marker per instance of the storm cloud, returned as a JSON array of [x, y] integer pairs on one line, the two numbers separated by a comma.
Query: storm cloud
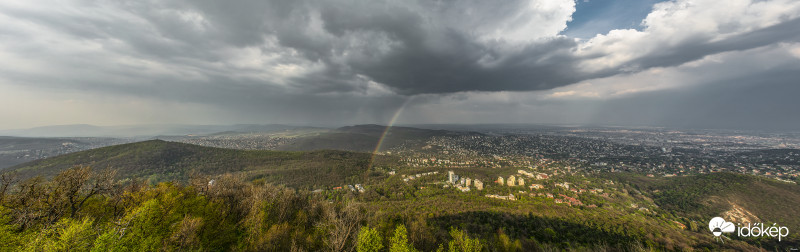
[[356, 61]]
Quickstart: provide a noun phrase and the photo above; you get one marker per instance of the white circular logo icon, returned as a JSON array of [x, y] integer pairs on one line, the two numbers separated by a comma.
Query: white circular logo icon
[[718, 225]]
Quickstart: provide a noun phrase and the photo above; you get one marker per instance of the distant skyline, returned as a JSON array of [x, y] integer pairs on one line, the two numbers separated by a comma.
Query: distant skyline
[[696, 64]]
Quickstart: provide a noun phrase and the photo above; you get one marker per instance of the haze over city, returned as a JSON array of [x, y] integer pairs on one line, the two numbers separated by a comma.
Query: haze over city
[[654, 63]]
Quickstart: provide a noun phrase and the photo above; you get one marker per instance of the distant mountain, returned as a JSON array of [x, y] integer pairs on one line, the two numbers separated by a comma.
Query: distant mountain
[[85, 130], [158, 160], [362, 138], [491, 127], [75, 130], [377, 130], [249, 128], [365, 138]]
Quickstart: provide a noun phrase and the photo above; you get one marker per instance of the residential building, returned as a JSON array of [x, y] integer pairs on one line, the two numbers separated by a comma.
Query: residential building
[[452, 177]]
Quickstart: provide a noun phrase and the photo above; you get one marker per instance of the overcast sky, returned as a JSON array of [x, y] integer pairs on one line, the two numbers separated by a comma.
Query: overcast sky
[[699, 63]]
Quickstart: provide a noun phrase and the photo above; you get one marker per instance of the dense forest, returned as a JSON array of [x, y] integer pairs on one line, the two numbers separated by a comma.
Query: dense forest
[[81, 209]]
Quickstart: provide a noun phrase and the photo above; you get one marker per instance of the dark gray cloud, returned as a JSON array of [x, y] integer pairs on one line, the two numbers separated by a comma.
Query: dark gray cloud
[[410, 47], [349, 60], [440, 47]]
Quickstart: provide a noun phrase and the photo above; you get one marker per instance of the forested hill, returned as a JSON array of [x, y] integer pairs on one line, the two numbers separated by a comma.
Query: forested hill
[[158, 160], [365, 137], [737, 197]]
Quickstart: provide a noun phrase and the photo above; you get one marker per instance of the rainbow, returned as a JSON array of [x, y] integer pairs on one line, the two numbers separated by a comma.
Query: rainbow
[[386, 131]]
